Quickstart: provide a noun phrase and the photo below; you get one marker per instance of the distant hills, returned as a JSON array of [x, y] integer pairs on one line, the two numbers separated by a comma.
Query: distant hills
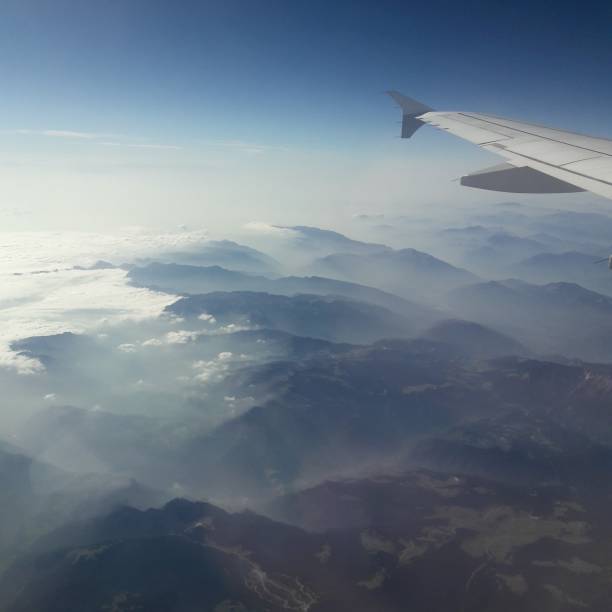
[[499, 250], [570, 267], [392, 434], [225, 253], [317, 239], [573, 226], [407, 272], [561, 318], [331, 318], [176, 278]]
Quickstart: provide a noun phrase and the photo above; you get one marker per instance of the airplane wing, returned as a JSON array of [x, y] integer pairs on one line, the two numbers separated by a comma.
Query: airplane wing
[[538, 159]]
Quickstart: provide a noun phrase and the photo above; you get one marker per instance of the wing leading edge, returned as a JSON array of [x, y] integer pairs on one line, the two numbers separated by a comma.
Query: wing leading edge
[[539, 159]]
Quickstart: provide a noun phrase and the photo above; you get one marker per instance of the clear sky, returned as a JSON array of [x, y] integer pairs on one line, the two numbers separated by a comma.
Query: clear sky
[[122, 112]]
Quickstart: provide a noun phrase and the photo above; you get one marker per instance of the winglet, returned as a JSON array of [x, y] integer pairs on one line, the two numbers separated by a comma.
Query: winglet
[[408, 105], [411, 109]]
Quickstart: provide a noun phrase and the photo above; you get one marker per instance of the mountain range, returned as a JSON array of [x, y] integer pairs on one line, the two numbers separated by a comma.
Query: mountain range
[[384, 543], [398, 434], [184, 279], [331, 318], [557, 318], [407, 272]]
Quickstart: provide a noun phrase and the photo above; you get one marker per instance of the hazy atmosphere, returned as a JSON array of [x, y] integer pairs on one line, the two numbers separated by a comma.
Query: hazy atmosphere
[[146, 112], [258, 352]]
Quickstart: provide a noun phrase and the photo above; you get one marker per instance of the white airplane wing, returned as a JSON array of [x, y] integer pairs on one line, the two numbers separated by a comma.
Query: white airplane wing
[[539, 159]]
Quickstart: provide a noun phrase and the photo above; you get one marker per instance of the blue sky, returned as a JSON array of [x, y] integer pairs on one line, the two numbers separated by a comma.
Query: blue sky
[[244, 105]]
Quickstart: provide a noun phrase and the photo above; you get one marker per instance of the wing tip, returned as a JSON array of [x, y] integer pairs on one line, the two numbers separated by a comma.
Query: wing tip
[[411, 110], [409, 106]]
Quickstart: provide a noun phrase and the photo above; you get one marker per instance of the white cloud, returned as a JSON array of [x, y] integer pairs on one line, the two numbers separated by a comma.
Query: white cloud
[[154, 145], [100, 138], [215, 369], [261, 227], [210, 371], [50, 397], [231, 328], [185, 336], [181, 336], [70, 134], [64, 299], [127, 348], [23, 365], [142, 145], [242, 146], [49, 251]]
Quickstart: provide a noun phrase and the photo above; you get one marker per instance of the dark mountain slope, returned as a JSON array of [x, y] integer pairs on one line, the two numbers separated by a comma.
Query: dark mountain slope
[[330, 318], [492, 547], [474, 340]]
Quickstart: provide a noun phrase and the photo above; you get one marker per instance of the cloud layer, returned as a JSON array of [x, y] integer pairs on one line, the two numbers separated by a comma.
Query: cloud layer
[[42, 293]]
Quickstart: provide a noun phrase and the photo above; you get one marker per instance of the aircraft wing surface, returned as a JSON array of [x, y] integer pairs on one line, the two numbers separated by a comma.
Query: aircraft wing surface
[[538, 159]]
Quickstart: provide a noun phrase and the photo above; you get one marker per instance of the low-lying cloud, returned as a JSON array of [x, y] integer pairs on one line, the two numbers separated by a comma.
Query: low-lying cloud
[[43, 293]]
